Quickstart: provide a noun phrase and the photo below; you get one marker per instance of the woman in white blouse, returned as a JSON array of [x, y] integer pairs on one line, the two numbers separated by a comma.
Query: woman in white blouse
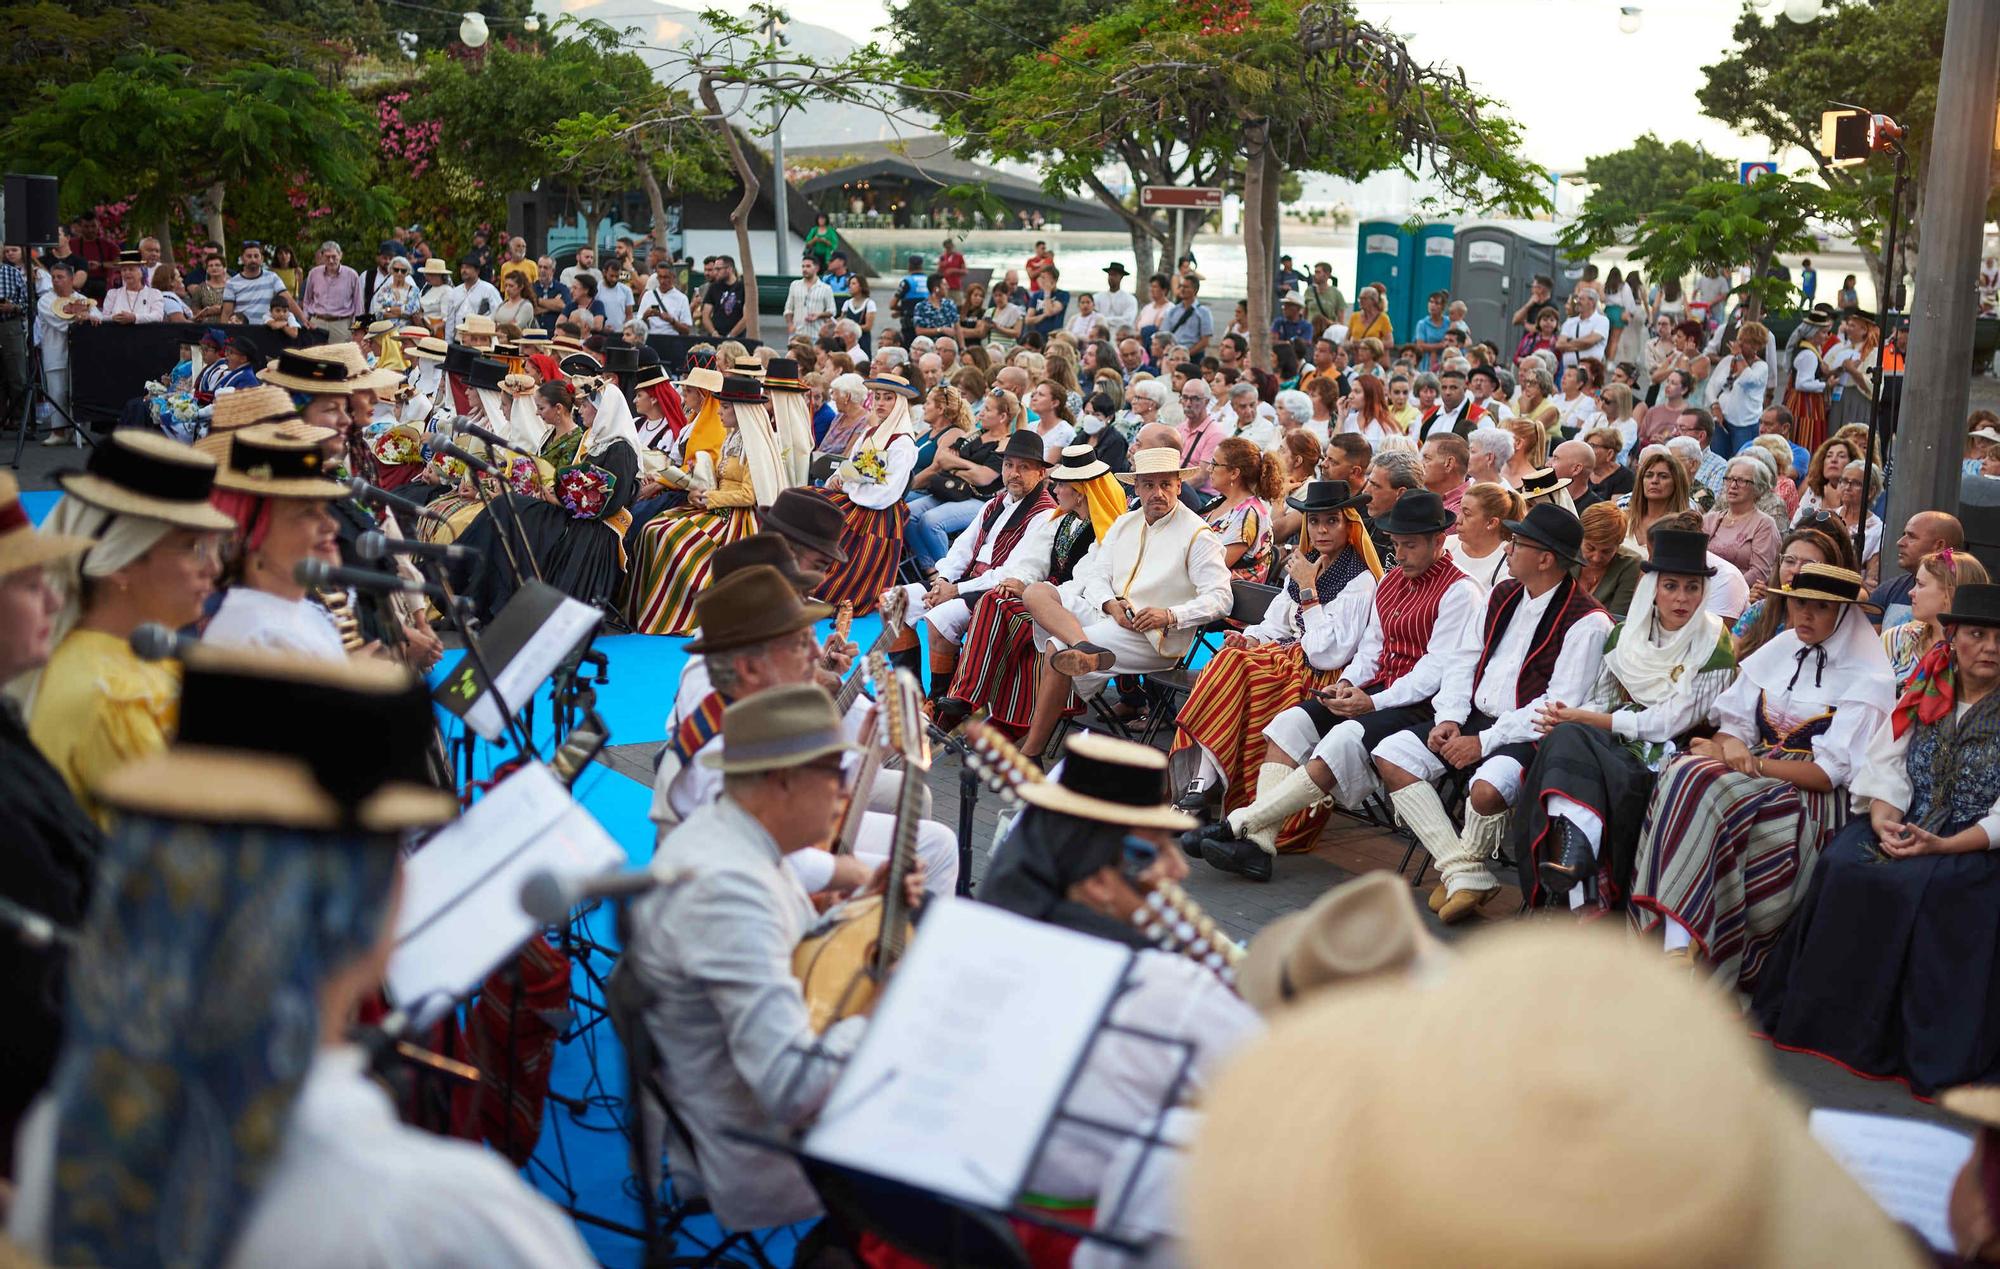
[[1479, 548], [868, 488]]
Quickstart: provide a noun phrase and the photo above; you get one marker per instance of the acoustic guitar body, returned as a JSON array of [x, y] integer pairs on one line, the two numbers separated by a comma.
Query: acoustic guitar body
[[835, 967]]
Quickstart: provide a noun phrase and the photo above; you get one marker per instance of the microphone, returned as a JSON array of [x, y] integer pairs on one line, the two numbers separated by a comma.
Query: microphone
[[375, 545], [365, 492], [152, 641], [466, 427], [474, 461], [320, 575], [549, 897], [33, 929]]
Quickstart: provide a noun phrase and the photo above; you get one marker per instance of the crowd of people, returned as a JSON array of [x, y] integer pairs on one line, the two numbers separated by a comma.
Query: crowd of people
[[1604, 616]]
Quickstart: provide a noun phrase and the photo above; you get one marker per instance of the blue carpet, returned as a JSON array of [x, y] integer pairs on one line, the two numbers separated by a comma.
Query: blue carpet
[[38, 502]]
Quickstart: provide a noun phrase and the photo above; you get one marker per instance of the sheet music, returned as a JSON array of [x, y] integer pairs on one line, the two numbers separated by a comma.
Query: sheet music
[[968, 1053], [1906, 1166], [461, 914], [523, 673]]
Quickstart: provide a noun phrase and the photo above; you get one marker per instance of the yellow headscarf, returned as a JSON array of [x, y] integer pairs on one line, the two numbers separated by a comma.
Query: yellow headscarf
[[1104, 497], [705, 433], [1357, 537], [389, 353]]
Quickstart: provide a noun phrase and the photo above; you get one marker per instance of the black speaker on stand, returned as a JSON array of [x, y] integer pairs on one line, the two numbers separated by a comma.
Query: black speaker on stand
[[27, 220], [30, 209]]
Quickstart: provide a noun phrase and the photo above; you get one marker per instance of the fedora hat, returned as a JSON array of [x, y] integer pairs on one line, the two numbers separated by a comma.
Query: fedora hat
[[741, 390], [1117, 268], [20, 545], [753, 606], [485, 372], [703, 379], [1550, 527], [1112, 782], [1417, 511], [890, 382], [240, 407], [1828, 582], [319, 371], [1973, 604], [1359, 929], [1157, 461], [1325, 495], [763, 548], [621, 359], [783, 375], [778, 728], [1079, 463], [241, 755], [435, 268], [1623, 1058], [1026, 445], [1292, 297], [278, 460], [807, 519], [137, 472], [1683, 551], [429, 348]]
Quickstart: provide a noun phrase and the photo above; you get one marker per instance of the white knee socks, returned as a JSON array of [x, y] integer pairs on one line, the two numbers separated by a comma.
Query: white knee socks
[[1460, 857], [1282, 792]]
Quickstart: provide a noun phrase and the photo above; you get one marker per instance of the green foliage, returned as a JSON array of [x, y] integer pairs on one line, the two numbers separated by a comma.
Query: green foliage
[[1715, 227], [52, 45], [1650, 173]]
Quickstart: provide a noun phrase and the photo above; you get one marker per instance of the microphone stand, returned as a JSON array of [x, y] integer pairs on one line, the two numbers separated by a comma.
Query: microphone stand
[[506, 548]]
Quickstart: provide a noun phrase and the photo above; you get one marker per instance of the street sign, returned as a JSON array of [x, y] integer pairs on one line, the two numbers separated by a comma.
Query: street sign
[[1205, 197], [1755, 170]]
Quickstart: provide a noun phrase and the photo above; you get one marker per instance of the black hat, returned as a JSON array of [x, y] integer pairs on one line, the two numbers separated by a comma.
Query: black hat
[[1819, 315], [807, 518], [1553, 529], [458, 359], [742, 390], [1026, 445], [1862, 313], [622, 359], [1973, 604], [1325, 495], [763, 548], [485, 372], [1116, 267], [1683, 551], [1541, 483], [579, 364], [782, 375], [1417, 511], [130, 255]]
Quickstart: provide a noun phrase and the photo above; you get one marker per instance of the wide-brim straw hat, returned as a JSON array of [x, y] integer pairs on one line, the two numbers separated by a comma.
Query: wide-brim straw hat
[[1157, 461], [429, 348], [1079, 463], [290, 742], [241, 407], [1641, 1126], [413, 332], [749, 367], [779, 728], [279, 460], [1365, 927], [476, 324], [20, 545], [1112, 782], [1828, 582], [888, 382], [750, 607], [140, 473], [435, 268], [369, 378], [704, 379], [322, 371]]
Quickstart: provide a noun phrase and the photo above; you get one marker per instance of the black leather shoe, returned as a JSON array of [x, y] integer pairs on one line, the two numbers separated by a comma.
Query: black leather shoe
[[949, 713], [1572, 860], [1239, 855]]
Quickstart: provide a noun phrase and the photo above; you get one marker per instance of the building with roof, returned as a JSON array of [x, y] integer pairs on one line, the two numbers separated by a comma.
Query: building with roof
[[918, 180]]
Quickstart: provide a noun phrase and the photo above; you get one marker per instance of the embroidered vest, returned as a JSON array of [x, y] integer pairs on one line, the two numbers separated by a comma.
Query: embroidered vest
[[1954, 768], [1407, 610], [1570, 604], [1345, 566], [1011, 532], [1148, 566], [702, 725]]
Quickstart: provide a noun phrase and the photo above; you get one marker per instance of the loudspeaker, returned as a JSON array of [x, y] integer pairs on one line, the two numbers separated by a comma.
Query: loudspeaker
[[30, 203]]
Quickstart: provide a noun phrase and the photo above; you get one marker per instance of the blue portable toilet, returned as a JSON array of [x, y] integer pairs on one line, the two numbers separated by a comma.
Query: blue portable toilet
[[1431, 270], [1385, 252]]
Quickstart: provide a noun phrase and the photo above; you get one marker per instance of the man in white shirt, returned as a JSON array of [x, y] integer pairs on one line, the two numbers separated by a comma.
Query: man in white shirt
[[473, 294], [586, 262], [1118, 307], [1584, 335], [664, 307], [809, 304]]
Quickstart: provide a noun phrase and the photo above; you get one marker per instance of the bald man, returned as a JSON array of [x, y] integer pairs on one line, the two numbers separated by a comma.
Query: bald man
[[1925, 532], [1572, 461]]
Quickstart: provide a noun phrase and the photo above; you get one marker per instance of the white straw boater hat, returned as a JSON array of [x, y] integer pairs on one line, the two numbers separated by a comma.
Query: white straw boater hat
[[1828, 582], [241, 407], [20, 545], [140, 473], [279, 460], [1079, 462], [1112, 782], [320, 371], [1157, 461]]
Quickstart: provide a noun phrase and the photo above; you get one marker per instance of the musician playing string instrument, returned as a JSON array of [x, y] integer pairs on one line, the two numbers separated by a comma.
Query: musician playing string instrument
[[713, 958]]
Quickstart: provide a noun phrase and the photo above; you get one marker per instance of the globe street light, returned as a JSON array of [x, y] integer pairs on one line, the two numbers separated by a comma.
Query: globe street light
[[1802, 10], [472, 30], [1628, 19]]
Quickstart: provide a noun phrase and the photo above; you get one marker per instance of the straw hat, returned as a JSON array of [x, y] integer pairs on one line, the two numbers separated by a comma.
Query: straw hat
[[240, 407], [383, 327], [778, 728], [435, 268], [1079, 463], [429, 348], [322, 371], [141, 473], [1828, 582], [368, 378], [705, 379], [275, 460], [750, 607], [20, 546], [242, 755], [1640, 1126], [1366, 927], [413, 332], [749, 367], [890, 382], [476, 324], [1112, 782], [1157, 461]]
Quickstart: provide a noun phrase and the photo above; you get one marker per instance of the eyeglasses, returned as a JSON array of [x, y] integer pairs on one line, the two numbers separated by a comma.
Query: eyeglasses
[[1737, 480]]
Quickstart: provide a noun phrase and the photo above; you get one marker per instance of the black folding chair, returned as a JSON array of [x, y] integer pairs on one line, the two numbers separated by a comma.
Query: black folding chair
[[1249, 601]]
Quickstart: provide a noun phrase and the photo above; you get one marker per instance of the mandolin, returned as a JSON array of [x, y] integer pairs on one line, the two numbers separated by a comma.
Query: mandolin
[[841, 968], [1167, 915]]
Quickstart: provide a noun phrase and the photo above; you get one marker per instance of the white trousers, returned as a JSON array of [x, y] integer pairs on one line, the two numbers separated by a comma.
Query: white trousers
[[949, 618], [1407, 750], [937, 846]]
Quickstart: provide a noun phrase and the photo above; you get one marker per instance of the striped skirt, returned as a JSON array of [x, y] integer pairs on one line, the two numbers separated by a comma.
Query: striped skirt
[[997, 661], [873, 541], [1239, 692], [1729, 856], [459, 511], [670, 566], [1808, 418]]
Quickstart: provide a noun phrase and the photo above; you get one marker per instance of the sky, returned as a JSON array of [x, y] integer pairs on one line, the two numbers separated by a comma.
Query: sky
[[1576, 84]]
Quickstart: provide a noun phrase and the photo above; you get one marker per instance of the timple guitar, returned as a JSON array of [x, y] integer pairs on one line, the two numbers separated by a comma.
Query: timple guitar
[[894, 605]]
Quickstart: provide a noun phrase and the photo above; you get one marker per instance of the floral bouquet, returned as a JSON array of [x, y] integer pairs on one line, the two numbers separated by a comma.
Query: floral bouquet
[[870, 466], [176, 414], [524, 475], [398, 447], [585, 490]]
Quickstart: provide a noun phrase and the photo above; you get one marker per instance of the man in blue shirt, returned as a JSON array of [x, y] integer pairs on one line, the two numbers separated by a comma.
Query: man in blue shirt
[[1291, 323], [1808, 281], [910, 292], [1430, 330], [1049, 303], [1777, 421], [1189, 322], [837, 276], [1288, 278]]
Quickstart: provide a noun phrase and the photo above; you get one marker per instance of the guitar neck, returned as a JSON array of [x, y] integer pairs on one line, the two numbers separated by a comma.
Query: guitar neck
[[850, 691], [902, 855]]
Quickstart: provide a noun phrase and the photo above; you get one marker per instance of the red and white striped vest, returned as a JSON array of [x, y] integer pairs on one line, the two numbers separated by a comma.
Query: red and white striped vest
[[1407, 608]]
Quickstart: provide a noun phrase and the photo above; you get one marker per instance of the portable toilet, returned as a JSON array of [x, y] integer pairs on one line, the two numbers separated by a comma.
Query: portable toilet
[[1494, 266], [1386, 248], [1432, 263]]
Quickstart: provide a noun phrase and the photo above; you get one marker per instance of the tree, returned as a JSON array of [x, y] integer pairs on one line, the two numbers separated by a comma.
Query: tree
[[1713, 229], [1651, 173], [1880, 55], [1273, 84]]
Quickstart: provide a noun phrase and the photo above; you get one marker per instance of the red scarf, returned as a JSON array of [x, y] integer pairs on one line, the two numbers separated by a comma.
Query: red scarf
[[1931, 694]]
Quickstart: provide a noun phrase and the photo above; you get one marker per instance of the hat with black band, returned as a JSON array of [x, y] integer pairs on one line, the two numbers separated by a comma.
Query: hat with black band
[[141, 473], [1112, 782], [279, 460]]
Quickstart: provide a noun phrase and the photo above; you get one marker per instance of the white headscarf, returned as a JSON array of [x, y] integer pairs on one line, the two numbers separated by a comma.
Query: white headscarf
[[1651, 663], [613, 423], [795, 434], [761, 454], [1854, 663], [899, 423], [524, 421], [499, 417], [121, 539]]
